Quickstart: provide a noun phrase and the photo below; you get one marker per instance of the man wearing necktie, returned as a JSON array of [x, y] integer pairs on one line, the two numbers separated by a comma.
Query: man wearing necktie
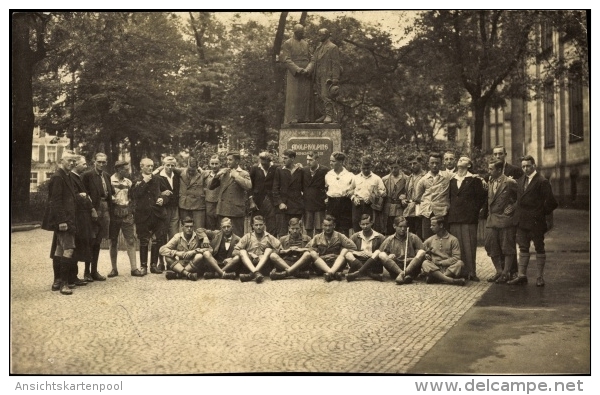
[[220, 262], [535, 201], [99, 188]]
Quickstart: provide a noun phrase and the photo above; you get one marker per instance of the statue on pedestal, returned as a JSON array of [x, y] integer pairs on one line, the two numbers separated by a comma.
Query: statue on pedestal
[[327, 75], [297, 58]]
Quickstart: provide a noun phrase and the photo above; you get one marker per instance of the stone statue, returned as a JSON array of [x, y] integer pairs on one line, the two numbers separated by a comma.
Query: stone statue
[[327, 75], [297, 57]]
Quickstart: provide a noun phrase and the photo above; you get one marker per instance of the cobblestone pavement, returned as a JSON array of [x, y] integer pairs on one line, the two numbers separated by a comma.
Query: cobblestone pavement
[[129, 325]]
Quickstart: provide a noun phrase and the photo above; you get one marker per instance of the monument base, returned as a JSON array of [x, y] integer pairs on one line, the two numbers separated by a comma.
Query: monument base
[[324, 138]]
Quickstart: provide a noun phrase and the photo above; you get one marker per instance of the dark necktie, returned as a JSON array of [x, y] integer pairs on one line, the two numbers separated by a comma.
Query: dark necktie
[[526, 183]]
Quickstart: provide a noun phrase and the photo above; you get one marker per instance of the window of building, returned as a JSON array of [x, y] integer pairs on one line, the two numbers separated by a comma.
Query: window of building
[[549, 137], [575, 104], [546, 38], [35, 150], [33, 178], [51, 153], [496, 126]]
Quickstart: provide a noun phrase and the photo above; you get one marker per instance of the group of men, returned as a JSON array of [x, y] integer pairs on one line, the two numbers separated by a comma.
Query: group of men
[[302, 220]]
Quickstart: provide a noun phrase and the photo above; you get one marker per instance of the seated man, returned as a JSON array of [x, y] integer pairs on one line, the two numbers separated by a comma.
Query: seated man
[[254, 250], [221, 259], [365, 257], [439, 259], [326, 251], [399, 248], [293, 246], [184, 252]]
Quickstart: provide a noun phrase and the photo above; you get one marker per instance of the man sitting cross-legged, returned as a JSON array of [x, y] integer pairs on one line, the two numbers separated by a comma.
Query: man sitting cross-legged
[[365, 259], [293, 246], [254, 250], [439, 259], [398, 248], [326, 251], [221, 261], [184, 252]]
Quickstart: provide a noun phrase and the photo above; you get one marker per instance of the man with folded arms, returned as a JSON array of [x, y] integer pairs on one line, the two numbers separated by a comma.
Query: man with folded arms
[[184, 253], [254, 250], [365, 257], [293, 246], [396, 249], [439, 259]]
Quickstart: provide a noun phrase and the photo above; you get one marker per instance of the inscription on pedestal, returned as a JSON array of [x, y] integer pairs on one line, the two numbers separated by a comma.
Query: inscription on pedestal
[[305, 138]]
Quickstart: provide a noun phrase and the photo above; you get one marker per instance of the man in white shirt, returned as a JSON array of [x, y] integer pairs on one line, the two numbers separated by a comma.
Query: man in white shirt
[[340, 185], [368, 187]]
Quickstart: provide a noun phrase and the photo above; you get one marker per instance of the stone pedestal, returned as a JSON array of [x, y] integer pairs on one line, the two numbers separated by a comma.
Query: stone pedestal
[[307, 137]]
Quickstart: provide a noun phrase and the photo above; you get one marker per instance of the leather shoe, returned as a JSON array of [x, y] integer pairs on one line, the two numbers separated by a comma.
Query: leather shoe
[[161, 267], [352, 276], [56, 285], [88, 277], [521, 280], [459, 281], [473, 277], [503, 279], [65, 290], [192, 276], [494, 278], [98, 277], [376, 276], [540, 282], [338, 276], [228, 276], [144, 271], [171, 276], [136, 273], [79, 282], [258, 277], [113, 273], [246, 277], [302, 274], [155, 270], [275, 275], [328, 277]]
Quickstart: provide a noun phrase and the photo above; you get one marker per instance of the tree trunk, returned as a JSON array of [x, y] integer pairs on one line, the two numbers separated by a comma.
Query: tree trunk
[[23, 60], [479, 122]]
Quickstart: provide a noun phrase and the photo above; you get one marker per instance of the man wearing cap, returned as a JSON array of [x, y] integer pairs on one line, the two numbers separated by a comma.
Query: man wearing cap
[[121, 219], [149, 215], [59, 216], [97, 184], [233, 183], [262, 176], [220, 262], [184, 252]]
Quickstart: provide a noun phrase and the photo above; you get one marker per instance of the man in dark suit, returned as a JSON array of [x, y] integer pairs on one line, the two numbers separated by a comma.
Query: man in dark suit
[[499, 228], [100, 190], [262, 176], [535, 200], [60, 217], [170, 181], [287, 192], [221, 259], [314, 194], [149, 216], [233, 183]]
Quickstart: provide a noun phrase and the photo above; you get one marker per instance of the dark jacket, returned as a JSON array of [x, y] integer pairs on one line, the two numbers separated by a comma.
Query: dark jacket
[[93, 184], [173, 200], [512, 171], [534, 203], [145, 195], [216, 236], [466, 201], [85, 226], [262, 186], [61, 206], [287, 189], [314, 192]]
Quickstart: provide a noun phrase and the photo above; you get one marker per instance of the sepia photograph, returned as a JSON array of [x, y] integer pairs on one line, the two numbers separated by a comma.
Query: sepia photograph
[[380, 192]]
